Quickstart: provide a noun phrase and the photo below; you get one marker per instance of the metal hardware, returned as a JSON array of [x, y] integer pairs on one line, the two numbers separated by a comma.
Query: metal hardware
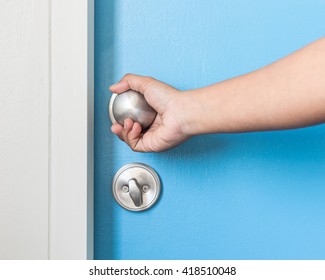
[[136, 186], [145, 188], [135, 192], [131, 104]]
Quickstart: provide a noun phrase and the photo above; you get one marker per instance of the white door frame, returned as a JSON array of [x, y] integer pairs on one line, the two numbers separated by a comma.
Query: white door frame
[[71, 129]]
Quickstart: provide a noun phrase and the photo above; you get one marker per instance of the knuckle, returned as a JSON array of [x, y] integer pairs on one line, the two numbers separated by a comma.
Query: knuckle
[[149, 78], [127, 76], [147, 82]]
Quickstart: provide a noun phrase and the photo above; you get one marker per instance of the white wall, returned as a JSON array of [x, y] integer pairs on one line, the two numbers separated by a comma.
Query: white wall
[[46, 129], [24, 124]]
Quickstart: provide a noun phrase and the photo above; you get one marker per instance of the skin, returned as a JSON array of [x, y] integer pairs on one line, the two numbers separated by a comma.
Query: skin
[[286, 94]]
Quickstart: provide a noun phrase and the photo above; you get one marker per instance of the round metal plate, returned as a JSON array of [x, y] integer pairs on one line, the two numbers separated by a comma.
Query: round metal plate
[[145, 176]]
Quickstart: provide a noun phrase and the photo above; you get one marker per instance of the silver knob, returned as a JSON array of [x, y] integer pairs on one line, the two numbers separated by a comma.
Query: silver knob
[[131, 104]]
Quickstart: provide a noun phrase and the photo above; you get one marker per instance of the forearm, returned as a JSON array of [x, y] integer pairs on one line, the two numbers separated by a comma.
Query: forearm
[[289, 93]]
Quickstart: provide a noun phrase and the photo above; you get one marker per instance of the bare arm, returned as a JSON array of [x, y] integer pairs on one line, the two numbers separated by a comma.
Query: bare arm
[[287, 94]]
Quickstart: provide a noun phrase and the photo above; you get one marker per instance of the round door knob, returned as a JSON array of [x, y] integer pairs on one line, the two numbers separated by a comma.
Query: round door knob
[[131, 104]]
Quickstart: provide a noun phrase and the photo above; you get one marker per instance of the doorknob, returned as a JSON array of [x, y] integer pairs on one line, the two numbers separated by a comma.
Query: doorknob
[[131, 104], [136, 186]]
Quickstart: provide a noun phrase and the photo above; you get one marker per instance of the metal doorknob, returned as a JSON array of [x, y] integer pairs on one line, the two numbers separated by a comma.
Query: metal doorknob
[[131, 104], [136, 187]]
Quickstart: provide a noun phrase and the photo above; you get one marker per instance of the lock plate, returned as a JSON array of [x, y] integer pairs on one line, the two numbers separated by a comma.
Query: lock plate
[[136, 186]]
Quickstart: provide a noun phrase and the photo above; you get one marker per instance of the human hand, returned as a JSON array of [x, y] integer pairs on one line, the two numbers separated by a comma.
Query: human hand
[[166, 131]]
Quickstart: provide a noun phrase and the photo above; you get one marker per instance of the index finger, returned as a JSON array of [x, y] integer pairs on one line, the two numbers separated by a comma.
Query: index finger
[[131, 81]]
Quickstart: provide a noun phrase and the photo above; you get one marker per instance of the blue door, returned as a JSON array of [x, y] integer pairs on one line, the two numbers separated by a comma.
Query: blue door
[[226, 196]]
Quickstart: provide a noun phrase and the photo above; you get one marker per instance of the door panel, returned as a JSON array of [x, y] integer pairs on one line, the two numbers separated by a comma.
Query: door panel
[[227, 196]]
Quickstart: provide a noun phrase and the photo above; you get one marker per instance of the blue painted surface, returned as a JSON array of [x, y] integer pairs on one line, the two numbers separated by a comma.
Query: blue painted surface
[[240, 196]]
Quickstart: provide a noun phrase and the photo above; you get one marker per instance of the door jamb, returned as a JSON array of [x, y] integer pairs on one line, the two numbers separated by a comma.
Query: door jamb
[[71, 129]]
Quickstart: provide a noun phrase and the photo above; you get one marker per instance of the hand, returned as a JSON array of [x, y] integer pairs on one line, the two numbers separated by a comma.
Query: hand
[[166, 130]]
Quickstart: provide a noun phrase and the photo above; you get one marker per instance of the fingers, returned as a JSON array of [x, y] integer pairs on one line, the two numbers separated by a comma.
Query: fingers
[[133, 136], [118, 130], [131, 81], [120, 87], [129, 133], [156, 93]]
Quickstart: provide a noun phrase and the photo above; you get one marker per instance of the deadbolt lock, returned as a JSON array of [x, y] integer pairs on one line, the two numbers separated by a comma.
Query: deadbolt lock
[[136, 187]]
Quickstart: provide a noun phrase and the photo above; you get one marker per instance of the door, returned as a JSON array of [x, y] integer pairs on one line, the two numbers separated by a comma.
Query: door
[[226, 196]]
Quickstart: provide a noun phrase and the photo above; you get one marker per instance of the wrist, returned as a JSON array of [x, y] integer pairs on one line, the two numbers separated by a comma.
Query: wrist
[[201, 111], [191, 110]]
